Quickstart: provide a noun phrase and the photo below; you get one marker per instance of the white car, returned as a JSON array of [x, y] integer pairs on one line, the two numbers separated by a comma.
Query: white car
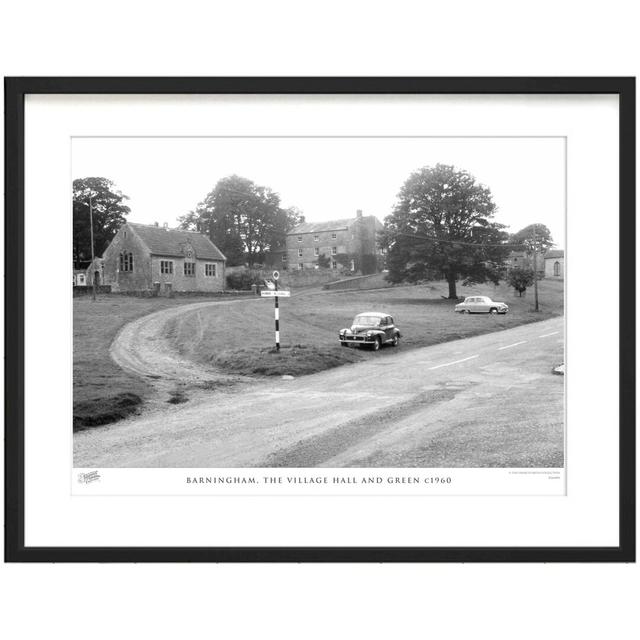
[[481, 304]]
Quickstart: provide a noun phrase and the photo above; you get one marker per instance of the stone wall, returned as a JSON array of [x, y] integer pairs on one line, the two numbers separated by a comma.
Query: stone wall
[[374, 281]]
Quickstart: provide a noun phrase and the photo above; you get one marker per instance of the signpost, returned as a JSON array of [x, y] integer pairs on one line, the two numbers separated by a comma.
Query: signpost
[[275, 294]]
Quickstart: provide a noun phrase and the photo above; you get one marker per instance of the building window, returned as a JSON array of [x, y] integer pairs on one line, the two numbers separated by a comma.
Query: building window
[[334, 264], [300, 266], [353, 265], [316, 238], [299, 253], [210, 270], [299, 238], [166, 266], [284, 257], [334, 236], [334, 251], [316, 251], [189, 268], [126, 262], [556, 269]]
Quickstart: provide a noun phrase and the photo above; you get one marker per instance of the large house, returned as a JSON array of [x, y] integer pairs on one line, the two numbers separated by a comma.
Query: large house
[[554, 263], [353, 239], [145, 257]]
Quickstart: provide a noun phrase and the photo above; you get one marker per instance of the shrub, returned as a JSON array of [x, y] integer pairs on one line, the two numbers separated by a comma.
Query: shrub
[[242, 280]]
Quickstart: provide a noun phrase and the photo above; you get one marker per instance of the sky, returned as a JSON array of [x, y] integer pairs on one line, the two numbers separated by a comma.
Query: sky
[[327, 177]]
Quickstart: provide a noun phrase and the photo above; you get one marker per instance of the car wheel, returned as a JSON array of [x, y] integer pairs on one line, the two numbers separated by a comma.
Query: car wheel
[[467, 311], [344, 344], [493, 311], [396, 341], [376, 344]]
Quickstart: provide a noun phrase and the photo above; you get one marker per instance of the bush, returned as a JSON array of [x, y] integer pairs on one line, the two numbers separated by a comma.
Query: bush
[[242, 280]]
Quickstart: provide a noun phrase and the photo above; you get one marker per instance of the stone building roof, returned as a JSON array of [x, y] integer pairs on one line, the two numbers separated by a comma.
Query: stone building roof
[[554, 253], [315, 227], [170, 242]]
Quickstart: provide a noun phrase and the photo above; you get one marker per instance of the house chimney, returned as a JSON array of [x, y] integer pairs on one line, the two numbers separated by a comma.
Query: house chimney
[[155, 224], [359, 213]]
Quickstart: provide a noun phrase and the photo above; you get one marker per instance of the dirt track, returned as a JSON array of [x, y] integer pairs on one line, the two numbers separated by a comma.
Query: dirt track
[[144, 348]]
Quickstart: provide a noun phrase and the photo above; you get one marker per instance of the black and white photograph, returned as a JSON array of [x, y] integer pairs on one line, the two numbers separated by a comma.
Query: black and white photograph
[[366, 302]]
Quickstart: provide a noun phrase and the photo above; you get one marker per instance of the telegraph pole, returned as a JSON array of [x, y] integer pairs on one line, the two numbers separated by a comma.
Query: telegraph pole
[[535, 268], [277, 312], [93, 275]]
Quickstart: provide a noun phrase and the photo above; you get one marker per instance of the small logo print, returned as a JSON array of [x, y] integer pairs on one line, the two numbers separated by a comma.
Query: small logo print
[[90, 476]]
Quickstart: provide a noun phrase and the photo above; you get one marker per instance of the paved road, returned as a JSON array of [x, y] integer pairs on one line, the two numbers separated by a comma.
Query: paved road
[[491, 400]]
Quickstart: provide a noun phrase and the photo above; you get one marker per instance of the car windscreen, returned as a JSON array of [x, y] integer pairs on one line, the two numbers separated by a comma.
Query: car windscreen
[[366, 321]]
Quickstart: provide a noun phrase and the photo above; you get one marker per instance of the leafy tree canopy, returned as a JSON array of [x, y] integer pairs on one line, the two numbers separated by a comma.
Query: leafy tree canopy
[[520, 279], [108, 209], [243, 219], [525, 238], [442, 226]]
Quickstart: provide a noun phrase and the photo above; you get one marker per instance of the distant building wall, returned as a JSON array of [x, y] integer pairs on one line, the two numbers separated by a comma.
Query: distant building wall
[[139, 278], [554, 267], [178, 278]]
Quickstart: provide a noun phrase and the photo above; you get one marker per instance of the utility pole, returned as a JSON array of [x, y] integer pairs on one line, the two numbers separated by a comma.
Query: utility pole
[[93, 275], [535, 268]]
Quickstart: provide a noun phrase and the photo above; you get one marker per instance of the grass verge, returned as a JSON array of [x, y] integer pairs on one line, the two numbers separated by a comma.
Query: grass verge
[[296, 360]]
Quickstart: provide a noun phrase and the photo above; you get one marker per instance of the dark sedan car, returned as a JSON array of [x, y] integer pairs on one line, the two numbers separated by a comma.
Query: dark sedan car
[[371, 329]]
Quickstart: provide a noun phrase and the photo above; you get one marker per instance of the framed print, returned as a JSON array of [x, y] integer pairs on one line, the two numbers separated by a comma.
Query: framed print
[[320, 319]]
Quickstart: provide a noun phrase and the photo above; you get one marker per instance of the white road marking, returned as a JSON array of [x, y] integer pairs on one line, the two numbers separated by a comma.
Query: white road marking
[[546, 335], [515, 344], [448, 364]]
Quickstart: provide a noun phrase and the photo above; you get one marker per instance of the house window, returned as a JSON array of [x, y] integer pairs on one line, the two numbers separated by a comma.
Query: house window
[[334, 251], [316, 251], [126, 262], [189, 268], [210, 270], [334, 236], [299, 238], [166, 266], [284, 257], [300, 266], [299, 253], [556, 269], [353, 265], [316, 238], [334, 264]]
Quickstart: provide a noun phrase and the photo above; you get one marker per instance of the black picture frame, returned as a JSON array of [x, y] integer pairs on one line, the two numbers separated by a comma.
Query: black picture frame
[[15, 91]]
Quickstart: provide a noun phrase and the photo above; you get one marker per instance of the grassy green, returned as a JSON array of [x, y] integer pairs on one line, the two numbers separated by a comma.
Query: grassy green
[[239, 337]]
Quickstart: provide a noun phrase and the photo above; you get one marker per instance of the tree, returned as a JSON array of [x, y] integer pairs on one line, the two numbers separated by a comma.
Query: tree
[[323, 261], [442, 226], [109, 211], [541, 240], [243, 219], [520, 279]]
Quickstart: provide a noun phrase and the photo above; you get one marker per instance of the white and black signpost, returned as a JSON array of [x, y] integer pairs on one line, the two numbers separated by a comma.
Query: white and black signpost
[[275, 294]]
